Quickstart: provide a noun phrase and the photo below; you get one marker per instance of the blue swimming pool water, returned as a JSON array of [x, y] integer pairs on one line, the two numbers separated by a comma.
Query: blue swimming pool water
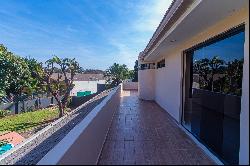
[[5, 148]]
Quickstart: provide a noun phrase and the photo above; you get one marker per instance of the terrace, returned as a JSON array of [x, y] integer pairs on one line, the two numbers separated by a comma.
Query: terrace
[[123, 129]]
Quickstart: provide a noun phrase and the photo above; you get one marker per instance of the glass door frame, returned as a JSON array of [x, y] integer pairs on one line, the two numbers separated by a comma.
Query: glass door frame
[[228, 33]]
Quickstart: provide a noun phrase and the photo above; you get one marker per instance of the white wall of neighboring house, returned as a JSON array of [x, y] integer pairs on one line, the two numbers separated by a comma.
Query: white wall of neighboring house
[[81, 86]]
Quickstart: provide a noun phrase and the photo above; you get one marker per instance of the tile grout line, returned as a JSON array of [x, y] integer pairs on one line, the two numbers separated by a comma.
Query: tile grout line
[[105, 140]]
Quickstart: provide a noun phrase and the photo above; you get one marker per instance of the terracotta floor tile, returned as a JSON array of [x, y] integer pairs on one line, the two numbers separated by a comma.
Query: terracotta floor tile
[[143, 133]]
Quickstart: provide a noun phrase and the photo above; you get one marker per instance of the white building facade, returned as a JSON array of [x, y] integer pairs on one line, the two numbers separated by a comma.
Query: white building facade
[[83, 86], [92, 83], [187, 69]]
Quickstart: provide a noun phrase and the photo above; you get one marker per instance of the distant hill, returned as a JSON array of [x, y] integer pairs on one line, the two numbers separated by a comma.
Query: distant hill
[[80, 76], [86, 71]]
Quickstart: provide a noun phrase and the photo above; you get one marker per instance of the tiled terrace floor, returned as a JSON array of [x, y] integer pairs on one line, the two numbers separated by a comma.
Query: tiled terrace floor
[[143, 133]]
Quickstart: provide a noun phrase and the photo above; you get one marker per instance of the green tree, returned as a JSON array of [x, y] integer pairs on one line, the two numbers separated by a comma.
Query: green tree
[[207, 69], [115, 74], [215, 64], [14, 73], [234, 75], [63, 84], [131, 74], [35, 68], [202, 69], [4, 75], [217, 75], [135, 73]]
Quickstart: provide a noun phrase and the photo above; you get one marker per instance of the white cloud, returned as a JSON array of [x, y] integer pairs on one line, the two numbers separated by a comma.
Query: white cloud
[[126, 37], [150, 15], [130, 41], [123, 53]]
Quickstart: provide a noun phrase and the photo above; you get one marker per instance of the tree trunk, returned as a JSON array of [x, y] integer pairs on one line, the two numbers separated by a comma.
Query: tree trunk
[[16, 107], [60, 105], [16, 101], [212, 82], [61, 109]]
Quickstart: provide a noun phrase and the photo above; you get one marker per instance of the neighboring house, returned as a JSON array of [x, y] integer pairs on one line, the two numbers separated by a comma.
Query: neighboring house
[[89, 83], [193, 30]]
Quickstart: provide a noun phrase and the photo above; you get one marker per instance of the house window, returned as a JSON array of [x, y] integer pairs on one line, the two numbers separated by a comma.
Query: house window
[[147, 66], [161, 64], [213, 88]]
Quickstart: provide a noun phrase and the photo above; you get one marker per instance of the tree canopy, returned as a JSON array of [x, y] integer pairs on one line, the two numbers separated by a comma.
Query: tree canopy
[[116, 73], [22, 77], [220, 76], [15, 73], [135, 72], [63, 84]]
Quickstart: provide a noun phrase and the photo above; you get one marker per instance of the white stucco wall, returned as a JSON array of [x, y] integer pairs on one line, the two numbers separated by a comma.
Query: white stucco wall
[[167, 85], [146, 85], [168, 91], [85, 86], [244, 116], [168, 80], [130, 85]]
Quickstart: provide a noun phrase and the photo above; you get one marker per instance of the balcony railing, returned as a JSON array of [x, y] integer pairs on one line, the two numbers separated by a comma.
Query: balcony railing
[[83, 144]]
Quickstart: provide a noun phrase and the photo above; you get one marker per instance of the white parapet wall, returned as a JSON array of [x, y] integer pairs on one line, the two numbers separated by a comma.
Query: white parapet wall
[[130, 85], [83, 144]]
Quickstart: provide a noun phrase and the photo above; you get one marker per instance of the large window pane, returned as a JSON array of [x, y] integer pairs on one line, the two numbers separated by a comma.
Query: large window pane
[[213, 87]]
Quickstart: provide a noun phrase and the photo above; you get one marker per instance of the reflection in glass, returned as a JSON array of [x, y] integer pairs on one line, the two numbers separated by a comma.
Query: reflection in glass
[[213, 87]]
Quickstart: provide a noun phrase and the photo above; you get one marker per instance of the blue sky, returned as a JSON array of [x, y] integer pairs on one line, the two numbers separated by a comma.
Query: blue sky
[[228, 49], [95, 32]]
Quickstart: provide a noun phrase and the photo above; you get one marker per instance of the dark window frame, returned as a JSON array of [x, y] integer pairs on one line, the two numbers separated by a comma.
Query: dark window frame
[[214, 39], [161, 64], [226, 34], [146, 66]]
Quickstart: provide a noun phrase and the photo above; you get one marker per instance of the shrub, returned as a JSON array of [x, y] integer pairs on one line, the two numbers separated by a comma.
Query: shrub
[[4, 113]]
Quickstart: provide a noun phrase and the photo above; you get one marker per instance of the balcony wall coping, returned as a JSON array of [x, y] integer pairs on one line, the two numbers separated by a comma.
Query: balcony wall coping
[[41, 132], [56, 154]]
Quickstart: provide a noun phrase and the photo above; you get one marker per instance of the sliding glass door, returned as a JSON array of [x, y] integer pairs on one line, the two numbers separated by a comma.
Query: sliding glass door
[[212, 90]]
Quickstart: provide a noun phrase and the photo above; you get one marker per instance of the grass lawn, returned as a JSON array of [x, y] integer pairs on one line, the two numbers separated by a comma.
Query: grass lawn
[[27, 121]]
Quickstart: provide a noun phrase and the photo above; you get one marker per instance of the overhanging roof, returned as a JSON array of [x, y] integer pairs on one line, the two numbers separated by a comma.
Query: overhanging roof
[[186, 18]]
